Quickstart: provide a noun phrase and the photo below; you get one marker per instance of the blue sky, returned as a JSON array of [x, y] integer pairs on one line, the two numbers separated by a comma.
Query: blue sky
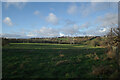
[[51, 19]]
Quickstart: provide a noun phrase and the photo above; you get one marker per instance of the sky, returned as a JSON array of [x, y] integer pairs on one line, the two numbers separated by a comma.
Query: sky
[[55, 19]]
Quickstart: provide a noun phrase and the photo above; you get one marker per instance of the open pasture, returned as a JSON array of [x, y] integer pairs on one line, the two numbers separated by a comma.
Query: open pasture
[[44, 60]]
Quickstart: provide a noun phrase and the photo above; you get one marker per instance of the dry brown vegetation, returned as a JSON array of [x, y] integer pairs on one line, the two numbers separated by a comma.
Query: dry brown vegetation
[[62, 62], [101, 70], [61, 55]]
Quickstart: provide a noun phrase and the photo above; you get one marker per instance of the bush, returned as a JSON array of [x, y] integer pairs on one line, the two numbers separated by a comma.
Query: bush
[[5, 42], [103, 43], [111, 52], [101, 70], [95, 43], [62, 62]]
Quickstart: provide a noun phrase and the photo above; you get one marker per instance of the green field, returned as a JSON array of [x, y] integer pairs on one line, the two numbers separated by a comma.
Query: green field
[[43, 60]]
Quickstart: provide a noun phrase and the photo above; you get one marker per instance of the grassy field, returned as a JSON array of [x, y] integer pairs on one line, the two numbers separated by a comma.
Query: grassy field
[[43, 60]]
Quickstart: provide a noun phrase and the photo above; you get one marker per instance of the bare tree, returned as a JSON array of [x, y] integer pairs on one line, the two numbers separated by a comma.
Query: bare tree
[[114, 44]]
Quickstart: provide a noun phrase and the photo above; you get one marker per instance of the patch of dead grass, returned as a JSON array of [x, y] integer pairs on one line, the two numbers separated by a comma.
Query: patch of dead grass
[[62, 62], [102, 70], [61, 55]]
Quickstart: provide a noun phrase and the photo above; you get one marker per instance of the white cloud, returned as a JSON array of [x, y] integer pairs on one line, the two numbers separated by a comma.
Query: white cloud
[[8, 21], [104, 22], [16, 4], [61, 34], [108, 20], [96, 31], [47, 32], [93, 7], [69, 22], [36, 12], [72, 9], [52, 32], [15, 0], [86, 25], [51, 18], [31, 34], [12, 35], [70, 29], [103, 30]]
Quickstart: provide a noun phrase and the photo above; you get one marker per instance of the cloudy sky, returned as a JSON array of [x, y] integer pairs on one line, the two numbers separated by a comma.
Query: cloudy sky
[[52, 19]]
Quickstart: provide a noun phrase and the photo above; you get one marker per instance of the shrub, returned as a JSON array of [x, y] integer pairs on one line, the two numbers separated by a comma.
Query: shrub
[[61, 55], [94, 43], [111, 52], [5, 42], [62, 62], [101, 70], [103, 43]]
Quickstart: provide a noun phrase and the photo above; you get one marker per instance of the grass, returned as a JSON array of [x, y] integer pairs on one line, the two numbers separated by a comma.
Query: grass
[[43, 60]]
